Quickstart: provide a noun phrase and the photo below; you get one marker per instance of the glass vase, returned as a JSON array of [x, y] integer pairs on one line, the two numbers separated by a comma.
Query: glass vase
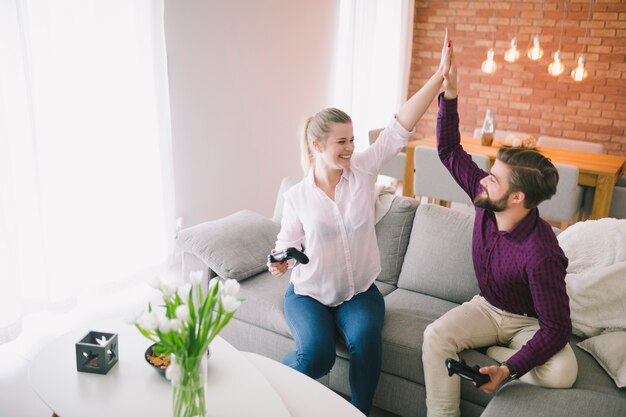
[[189, 393]]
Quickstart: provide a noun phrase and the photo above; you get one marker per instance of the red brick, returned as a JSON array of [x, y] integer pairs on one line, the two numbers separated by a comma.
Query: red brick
[[574, 134]]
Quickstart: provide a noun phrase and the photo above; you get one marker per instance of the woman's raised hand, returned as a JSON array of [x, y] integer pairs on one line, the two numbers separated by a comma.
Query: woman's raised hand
[[447, 66], [446, 55]]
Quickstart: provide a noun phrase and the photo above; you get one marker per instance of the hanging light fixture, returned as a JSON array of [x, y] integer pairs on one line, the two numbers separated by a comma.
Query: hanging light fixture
[[556, 68], [489, 66], [535, 52], [512, 54], [580, 73]]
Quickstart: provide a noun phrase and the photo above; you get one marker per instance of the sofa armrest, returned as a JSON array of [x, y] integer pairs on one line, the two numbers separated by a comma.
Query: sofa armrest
[[235, 246]]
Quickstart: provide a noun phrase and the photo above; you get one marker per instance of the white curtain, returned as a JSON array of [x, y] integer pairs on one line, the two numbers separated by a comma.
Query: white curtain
[[85, 174], [373, 61]]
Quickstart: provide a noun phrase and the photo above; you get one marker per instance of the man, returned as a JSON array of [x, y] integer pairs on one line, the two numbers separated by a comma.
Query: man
[[522, 314]]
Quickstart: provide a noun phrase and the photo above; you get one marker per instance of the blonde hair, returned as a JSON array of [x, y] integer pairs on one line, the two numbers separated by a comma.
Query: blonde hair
[[318, 127]]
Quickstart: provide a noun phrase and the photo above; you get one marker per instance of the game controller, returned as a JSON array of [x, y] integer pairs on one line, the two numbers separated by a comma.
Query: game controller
[[287, 254], [466, 372]]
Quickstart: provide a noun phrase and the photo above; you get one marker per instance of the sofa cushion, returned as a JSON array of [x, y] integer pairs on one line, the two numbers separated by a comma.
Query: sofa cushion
[[407, 314], [438, 260], [263, 302], [609, 349], [518, 399], [235, 246], [393, 232]]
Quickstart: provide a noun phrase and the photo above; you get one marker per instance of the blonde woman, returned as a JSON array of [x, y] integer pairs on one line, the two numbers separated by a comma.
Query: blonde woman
[[331, 213]]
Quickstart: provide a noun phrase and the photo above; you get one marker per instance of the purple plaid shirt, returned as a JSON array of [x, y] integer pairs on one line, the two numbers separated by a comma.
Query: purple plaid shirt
[[521, 270]]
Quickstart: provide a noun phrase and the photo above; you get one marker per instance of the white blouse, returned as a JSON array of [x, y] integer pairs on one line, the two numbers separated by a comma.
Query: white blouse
[[339, 235]]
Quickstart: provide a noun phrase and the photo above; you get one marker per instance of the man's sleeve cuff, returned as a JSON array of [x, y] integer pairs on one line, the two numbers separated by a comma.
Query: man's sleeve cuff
[[447, 106]]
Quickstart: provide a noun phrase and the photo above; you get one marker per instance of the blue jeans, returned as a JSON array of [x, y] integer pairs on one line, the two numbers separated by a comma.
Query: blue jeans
[[358, 321]]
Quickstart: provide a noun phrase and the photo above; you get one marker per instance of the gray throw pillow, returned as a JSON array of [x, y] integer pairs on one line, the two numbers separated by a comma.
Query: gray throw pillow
[[235, 246], [610, 352], [438, 261], [393, 232]]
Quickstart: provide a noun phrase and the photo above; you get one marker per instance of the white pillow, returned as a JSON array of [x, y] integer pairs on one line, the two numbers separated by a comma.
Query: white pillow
[[609, 349]]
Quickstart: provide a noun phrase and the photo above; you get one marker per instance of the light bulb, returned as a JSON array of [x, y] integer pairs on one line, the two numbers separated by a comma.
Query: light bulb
[[580, 73], [512, 54], [535, 53], [489, 66], [556, 68]]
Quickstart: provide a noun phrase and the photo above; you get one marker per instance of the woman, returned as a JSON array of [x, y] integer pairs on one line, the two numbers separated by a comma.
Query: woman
[[331, 214]]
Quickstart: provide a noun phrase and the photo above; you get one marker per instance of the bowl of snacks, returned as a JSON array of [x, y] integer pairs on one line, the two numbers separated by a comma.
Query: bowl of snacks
[[158, 362]]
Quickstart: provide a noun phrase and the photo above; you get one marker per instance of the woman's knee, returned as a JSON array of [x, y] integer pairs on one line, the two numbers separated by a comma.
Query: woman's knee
[[315, 361]]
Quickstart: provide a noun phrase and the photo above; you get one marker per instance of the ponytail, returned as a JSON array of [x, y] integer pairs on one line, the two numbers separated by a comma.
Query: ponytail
[[306, 155], [318, 127]]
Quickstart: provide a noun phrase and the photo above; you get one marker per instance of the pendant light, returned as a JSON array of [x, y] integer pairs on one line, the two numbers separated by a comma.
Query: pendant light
[[556, 68], [580, 73], [535, 52], [489, 66], [512, 54]]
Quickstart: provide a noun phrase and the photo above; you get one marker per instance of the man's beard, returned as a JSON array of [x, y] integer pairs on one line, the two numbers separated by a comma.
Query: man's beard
[[483, 201]]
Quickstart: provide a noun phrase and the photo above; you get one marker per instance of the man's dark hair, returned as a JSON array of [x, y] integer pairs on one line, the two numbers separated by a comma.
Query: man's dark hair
[[531, 173]]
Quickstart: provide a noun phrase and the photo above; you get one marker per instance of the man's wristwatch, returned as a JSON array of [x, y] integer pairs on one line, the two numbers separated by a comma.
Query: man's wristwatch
[[512, 370]]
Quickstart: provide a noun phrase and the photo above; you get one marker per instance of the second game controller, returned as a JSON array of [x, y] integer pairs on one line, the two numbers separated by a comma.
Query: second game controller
[[465, 371]]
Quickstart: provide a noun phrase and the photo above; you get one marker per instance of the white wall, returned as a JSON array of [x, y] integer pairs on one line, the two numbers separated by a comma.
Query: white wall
[[243, 76]]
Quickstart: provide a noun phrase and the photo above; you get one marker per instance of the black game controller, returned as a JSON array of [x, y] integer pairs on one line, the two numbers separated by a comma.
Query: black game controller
[[287, 254], [466, 372]]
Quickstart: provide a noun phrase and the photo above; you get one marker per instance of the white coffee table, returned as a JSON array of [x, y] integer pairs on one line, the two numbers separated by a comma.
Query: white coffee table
[[239, 384]]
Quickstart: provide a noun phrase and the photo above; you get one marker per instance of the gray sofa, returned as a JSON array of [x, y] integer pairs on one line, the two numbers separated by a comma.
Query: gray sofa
[[426, 271]]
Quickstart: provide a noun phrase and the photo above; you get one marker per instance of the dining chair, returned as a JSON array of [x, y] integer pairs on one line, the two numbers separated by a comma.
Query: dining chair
[[580, 146], [565, 205], [432, 179], [393, 168], [570, 144], [618, 203]]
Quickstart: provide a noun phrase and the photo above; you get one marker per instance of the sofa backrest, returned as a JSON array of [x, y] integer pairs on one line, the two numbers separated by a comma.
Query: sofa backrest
[[393, 231], [438, 260], [285, 184]]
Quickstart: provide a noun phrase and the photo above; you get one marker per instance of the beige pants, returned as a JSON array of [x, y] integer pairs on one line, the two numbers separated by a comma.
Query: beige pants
[[478, 324]]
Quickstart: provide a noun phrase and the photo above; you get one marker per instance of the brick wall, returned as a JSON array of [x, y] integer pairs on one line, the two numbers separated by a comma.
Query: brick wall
[[523, 95]]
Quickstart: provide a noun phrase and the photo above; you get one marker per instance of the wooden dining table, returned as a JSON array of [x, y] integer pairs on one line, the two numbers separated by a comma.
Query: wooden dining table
[[600, 171]]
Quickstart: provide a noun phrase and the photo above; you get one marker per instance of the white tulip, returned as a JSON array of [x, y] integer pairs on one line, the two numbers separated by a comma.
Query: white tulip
[[168, 288], [230, 287], [183, 291], [213, 283], [132, 317], [173, 371], [230, 303], [164, 324], [182, 312], [155, 282], [175, 325], [196, 277], [148, 321]]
